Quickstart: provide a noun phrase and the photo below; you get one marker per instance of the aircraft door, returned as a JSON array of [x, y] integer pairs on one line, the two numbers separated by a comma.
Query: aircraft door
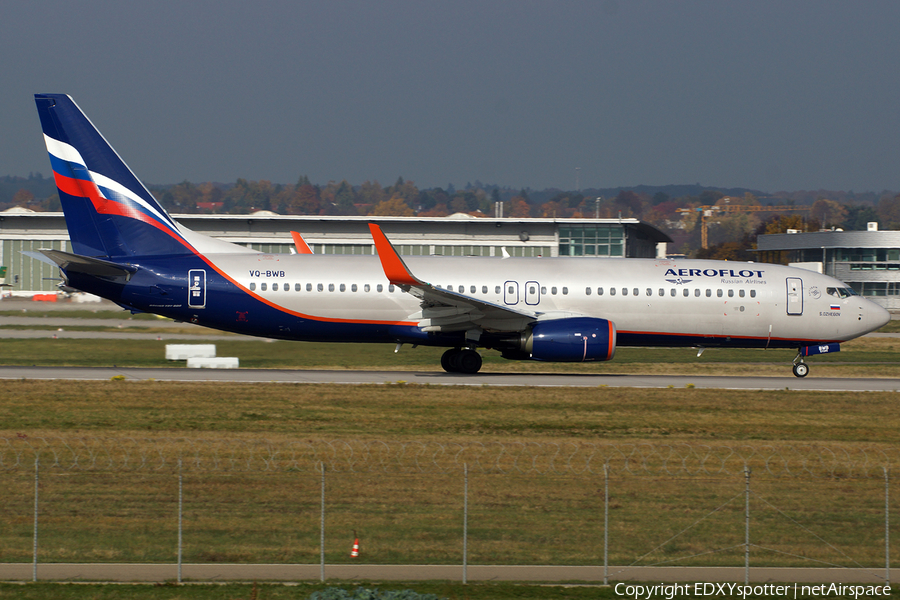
[[511, 292], [197, 288], [532, 293], [794, 296]]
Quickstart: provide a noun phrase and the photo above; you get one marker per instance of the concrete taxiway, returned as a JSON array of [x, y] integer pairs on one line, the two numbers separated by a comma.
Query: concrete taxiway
[[440, 378]]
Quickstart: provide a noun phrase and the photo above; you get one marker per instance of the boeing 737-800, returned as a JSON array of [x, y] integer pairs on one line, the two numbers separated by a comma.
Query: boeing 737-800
[[126, 248]]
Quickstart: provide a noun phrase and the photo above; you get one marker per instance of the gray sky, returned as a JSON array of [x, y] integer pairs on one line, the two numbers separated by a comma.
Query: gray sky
[[765, 94]]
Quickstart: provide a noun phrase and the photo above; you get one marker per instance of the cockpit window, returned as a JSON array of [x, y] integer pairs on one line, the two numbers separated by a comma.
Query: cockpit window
[[841, 292]]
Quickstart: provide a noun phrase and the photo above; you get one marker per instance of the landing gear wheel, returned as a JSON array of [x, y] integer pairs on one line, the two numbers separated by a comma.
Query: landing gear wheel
[[469, 362], [801, 369], [448, 359], [456, 360]]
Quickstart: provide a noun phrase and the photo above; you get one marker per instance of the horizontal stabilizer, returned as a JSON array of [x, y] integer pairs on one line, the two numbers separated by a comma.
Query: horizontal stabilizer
[[74, 263]]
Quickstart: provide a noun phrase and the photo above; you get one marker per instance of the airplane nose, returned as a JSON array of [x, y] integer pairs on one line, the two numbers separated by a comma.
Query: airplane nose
[[878, 316]]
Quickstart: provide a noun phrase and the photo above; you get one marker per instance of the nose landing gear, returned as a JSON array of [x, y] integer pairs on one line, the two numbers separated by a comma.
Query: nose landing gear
[[800, 368]]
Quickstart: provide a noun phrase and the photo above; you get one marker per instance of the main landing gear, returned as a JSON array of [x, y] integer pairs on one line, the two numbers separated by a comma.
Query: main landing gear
[[461, 360], [800, 368]]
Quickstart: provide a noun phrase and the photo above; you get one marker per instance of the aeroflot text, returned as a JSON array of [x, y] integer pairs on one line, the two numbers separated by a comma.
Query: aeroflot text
[[671, 590], [713, 273]]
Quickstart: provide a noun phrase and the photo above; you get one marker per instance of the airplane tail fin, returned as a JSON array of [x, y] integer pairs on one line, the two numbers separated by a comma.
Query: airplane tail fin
[[109, 212]]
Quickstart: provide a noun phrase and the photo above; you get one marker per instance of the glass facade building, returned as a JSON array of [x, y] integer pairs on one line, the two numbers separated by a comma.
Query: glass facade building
[[867, 261]]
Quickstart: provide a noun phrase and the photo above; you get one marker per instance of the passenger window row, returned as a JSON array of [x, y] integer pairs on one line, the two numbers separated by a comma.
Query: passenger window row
[[331, 287], [379, 288], [686, 292], [319, 287]]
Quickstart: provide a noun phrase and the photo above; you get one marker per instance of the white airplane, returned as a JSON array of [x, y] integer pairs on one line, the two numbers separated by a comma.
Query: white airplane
[[129, 250]]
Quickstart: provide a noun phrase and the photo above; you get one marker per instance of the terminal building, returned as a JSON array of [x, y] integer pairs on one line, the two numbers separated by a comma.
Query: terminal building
[[868, 261], [457, 235]]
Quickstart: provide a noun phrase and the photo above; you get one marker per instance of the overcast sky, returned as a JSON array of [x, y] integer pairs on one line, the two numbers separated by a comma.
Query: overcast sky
[[765, 94]]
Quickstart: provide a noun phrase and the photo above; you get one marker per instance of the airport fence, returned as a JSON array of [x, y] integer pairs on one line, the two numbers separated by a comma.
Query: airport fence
[[610, 505]]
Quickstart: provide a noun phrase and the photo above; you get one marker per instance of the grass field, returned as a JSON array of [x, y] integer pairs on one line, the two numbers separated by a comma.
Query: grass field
[[250, 591], [243, 515], [867, 357]]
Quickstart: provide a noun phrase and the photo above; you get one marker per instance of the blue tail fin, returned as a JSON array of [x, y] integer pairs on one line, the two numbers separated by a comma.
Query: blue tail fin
[[109, 212]]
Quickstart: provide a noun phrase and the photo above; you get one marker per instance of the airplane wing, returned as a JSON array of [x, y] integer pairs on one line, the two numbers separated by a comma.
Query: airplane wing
[[445, 310]]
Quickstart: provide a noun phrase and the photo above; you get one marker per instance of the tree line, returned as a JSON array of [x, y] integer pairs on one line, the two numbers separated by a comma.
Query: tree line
[[731, 234]]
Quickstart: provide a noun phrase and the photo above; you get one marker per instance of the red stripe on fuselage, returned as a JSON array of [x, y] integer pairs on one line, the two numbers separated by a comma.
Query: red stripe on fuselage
[[88, 189]]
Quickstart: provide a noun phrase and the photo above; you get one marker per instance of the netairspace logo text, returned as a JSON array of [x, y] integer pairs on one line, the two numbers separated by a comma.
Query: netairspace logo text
[[668, 591]]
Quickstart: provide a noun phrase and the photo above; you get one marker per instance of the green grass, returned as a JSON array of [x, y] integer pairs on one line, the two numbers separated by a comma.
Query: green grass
[[261, 591], [247, 591], [237, 513], [451, 413], [868, 357]]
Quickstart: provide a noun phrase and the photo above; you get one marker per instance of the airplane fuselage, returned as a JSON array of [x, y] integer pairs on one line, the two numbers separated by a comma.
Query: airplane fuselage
[[652, 302]]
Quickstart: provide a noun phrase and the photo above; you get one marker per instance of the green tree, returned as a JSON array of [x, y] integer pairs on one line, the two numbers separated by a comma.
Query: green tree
[[858, 216], [371, 193], [345, 199]]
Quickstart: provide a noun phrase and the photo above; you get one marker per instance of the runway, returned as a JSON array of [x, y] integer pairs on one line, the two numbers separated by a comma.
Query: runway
[[342, 377]]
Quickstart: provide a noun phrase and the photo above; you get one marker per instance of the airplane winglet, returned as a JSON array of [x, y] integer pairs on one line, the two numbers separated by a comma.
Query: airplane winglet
[[394, 268], [300, 243]]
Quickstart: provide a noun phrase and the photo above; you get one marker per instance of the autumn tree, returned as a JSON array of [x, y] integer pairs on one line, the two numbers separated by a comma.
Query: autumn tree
[[22, 198], [519, 208], [629, 203], [249, 196], [553, 209], [406, 191], [889, 212], [830, 212], [371, 193], [393, 207], [438, 210], [732, 250]]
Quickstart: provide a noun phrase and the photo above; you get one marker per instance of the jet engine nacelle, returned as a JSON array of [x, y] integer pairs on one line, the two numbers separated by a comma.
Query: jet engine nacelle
[[576, 339]]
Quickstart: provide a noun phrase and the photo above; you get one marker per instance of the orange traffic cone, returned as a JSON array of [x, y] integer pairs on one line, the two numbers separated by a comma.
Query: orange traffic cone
[[354, 552]]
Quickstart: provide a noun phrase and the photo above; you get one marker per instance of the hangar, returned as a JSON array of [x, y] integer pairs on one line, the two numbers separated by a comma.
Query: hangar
[[456, 235]]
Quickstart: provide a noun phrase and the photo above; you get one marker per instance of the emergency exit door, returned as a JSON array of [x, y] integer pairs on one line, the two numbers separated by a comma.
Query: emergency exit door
[[794, 296]]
